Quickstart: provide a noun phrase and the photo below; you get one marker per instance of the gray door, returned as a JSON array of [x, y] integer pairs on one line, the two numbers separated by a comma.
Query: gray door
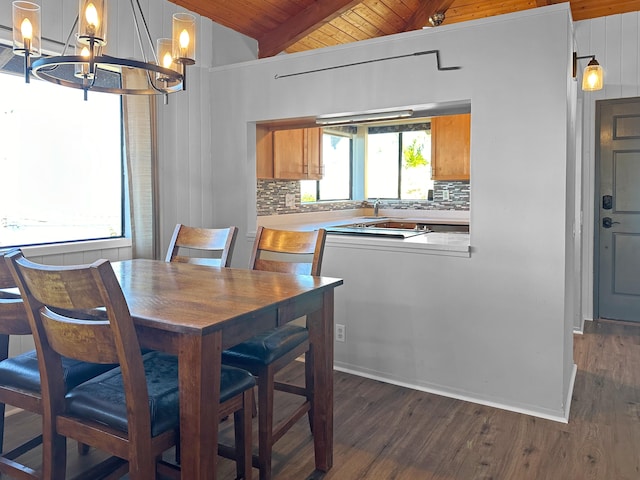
[[618, 153]]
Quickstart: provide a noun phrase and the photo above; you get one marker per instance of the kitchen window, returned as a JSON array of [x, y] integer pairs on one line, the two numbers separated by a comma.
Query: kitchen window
[[337, 154], [395, 163], [62, 164], [398, 161]]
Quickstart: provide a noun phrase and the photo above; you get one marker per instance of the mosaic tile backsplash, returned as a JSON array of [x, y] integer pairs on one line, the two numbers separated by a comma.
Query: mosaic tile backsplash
[[271, 199]]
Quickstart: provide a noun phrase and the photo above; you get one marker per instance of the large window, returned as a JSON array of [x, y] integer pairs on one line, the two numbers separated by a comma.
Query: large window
[[398, 162], [336, 178], [61, 164], [386, 161]]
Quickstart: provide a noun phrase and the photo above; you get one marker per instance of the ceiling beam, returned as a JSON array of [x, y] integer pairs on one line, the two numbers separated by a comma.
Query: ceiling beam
[[425, 10], [313, 17]]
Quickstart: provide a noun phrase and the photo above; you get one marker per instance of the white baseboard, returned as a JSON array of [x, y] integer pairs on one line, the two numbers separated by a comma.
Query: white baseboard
[[561, 418]]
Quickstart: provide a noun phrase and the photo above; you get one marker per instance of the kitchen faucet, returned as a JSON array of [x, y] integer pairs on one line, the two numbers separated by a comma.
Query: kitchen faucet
[[376, 207]]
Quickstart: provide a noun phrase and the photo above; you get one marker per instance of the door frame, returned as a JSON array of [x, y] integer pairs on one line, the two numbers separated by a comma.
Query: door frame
[[597, 195]]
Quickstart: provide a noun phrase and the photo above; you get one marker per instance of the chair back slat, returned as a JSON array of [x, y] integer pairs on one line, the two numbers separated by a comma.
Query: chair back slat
[[298, 268], [70, 289], [13, 317], [88, 340], [298, 252], [218, 243]]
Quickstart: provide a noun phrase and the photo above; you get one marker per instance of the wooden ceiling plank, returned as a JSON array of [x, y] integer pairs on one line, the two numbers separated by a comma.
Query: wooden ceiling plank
[[473, 9], [241, 17], [344, 25], [381, 23], [285, 8], [317, 14], [342, 30], [307, 43], [584, 10], [484, 9], [403, 8], [389, 15], [363, 24], [327, 36]]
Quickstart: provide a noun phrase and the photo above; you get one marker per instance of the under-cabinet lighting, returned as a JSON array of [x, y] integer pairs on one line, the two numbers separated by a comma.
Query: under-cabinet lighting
[[362, 117]]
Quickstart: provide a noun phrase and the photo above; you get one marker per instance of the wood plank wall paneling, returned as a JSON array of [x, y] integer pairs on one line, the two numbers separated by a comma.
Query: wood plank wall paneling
[[615, 42]]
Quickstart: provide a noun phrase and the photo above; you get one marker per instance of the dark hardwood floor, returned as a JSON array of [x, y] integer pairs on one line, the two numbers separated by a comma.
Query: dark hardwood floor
[[384, 432]]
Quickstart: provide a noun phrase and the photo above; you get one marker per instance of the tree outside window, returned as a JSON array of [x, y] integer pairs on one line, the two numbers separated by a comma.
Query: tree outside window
[[399, 162]]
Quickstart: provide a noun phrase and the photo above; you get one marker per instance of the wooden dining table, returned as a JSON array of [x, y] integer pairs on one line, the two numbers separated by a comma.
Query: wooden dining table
[[197, 311]]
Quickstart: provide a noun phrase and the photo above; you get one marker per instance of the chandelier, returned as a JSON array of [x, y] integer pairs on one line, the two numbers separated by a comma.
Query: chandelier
[[85, 65]]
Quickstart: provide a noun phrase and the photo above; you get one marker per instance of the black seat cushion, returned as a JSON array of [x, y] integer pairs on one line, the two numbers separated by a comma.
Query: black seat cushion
[[234, 381], [266, 347], [102, 399], [22, 371]]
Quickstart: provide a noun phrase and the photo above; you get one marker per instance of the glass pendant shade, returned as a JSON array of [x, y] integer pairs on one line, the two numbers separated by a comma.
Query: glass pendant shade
[[26, 29], [92, 22], [593, 77], [81, 70], [184, 38], [164, 54]]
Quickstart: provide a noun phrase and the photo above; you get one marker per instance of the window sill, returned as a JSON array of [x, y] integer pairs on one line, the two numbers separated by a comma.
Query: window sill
[[75, 247]]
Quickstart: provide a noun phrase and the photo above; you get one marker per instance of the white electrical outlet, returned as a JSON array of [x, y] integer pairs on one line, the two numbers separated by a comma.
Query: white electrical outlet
[[341, 333], [445, 195], [290, 200]]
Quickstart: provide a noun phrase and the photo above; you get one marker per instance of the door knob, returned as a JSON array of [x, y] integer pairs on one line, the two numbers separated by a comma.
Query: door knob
[[608, 223]]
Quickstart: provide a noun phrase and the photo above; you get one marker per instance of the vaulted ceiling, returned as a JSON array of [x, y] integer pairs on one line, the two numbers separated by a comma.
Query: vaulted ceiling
[[298, 25]]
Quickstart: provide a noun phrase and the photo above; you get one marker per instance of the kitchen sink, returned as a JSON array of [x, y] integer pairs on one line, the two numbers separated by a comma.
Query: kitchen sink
[[375, 232], [422, 226], [394, 228]]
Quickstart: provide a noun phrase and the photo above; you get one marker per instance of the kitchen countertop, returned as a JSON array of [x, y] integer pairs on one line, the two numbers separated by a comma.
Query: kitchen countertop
[[434, 243]]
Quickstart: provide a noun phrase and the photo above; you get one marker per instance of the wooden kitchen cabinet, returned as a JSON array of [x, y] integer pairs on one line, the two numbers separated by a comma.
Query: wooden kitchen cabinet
[[297, 154], [450, 146], [264, 153], [289, 154]]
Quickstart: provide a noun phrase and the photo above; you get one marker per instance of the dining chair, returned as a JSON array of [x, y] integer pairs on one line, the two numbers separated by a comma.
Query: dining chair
[[20, 377], [131, 411], [202, 242], [294, 252]]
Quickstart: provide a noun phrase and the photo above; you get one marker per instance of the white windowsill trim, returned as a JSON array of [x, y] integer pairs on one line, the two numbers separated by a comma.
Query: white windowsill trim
[[73, 247]]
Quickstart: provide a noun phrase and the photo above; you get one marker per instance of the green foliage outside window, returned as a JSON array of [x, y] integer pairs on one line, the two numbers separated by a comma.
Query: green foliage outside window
[[413, 155]]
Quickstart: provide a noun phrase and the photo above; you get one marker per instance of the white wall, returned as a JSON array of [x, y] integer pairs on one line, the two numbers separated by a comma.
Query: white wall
[[498, 329], [615, 40]]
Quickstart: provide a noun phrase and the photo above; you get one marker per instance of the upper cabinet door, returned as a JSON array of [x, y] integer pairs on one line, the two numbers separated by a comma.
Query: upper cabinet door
[[313, 145], [297, 154], [264, 152], [450, 147]]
